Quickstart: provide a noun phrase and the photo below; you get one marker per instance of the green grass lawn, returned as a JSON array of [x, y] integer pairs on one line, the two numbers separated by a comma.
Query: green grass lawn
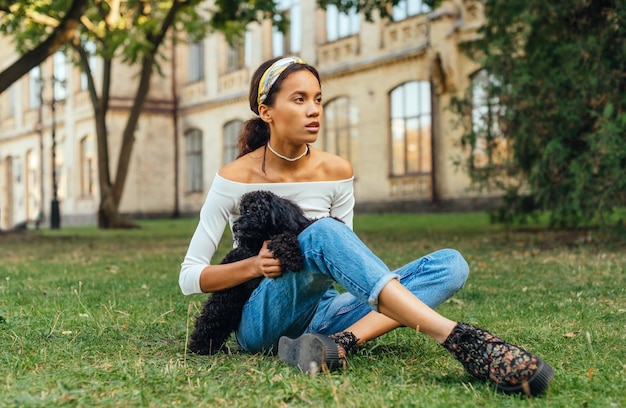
[[95, 318]]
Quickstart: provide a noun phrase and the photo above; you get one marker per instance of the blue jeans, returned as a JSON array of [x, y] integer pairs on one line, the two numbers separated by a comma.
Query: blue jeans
[[306, 301]]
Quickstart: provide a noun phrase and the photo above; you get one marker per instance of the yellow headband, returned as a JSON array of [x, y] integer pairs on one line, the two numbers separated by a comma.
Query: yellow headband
[[272, 73]]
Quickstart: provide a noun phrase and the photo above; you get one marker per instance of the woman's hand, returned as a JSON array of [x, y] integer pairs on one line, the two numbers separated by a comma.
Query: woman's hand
[[266, 264]]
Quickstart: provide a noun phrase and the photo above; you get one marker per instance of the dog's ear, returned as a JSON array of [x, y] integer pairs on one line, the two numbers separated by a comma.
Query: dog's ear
[[289, 214], [274, 213]]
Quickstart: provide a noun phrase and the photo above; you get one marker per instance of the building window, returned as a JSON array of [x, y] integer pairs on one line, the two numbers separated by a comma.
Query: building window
[[196, 61], [60, 76], [340, 128], [193, 153], [489, 146], [291, 41], [32, 183], [231, 136], [17, 169], [340, 24], [407, 8], [90, 49], [61, 175], [87, 166], [411, 148], [11, 101], [35, 85], [240, 53]]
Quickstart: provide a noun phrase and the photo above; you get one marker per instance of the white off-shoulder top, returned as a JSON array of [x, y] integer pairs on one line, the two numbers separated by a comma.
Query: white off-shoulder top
[[317, 199]]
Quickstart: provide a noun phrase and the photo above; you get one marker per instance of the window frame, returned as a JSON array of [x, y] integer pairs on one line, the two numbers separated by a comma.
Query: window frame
[[59, 76], [87, 169], [194, 156], [342, 132], [423, 117], [288, 43], [35, 88], [195, 61], [336, 20], [405, 9], [231, 129], [239, 55]]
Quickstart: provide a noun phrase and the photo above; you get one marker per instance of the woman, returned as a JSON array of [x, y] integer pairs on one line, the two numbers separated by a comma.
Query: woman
[[300, 315]]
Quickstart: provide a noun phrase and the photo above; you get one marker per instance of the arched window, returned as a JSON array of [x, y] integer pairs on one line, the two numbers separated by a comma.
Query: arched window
[[87, 166], [411, 131], [340, 120], [32, 188], [193, 156], [231, 135], [61, 172], [17, 169]]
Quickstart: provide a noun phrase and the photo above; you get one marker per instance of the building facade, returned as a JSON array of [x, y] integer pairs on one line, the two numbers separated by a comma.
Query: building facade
[[387, 86]]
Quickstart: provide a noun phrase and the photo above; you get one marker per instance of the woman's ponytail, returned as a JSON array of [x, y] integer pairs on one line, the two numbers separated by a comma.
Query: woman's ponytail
[[254, 134]]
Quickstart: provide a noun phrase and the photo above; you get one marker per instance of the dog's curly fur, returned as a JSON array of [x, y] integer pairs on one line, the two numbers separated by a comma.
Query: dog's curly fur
[[264, 216]]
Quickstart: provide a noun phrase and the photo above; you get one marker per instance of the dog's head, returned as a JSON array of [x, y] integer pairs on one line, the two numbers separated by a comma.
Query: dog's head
[[264, 214]]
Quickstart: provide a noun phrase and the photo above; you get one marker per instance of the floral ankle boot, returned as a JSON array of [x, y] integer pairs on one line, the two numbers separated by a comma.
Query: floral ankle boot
[[488, 357], [347, 343]]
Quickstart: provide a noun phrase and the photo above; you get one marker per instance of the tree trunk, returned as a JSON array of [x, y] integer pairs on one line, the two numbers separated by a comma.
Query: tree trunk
[[108, 213]]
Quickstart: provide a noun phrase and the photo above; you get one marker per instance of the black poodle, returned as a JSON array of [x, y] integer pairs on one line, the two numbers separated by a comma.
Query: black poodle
[[264, 216]]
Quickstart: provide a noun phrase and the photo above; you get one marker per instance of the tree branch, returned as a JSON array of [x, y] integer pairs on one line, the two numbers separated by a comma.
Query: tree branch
[[147, 67], [61, 34]]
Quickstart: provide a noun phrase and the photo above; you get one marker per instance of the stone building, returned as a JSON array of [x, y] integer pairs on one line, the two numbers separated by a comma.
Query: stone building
[[386, 84]]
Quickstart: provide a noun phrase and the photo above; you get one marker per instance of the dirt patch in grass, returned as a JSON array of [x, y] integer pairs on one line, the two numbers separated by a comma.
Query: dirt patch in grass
[[17, 236]]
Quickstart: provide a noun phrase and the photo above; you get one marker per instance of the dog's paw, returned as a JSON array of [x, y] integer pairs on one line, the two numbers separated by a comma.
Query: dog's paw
[[294, 263], [286, 248]]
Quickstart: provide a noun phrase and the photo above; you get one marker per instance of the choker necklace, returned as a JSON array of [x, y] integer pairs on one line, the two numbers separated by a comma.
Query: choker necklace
[[289, 159]]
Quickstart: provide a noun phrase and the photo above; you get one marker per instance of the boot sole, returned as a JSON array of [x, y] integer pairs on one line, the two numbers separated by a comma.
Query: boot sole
[[311, 353], [535, 385]]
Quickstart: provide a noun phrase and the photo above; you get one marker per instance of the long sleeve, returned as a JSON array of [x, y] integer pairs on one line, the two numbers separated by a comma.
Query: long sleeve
[[342, 205], [317, 199], [213, 218]]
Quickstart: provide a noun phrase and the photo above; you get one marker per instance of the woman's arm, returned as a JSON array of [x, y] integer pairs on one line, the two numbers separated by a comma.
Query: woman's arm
[[197, 275], [224, 276], [214, 215]]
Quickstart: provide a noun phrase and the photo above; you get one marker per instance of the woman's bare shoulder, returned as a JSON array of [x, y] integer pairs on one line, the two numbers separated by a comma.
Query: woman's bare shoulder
[[325, 167], [335, 167], [241, 170]]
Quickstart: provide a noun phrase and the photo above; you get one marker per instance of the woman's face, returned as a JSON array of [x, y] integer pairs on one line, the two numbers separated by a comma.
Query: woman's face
[[296, 114]]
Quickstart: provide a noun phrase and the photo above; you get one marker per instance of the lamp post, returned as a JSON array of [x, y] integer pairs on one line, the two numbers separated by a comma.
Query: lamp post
[[41, 151], [55, 215]]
